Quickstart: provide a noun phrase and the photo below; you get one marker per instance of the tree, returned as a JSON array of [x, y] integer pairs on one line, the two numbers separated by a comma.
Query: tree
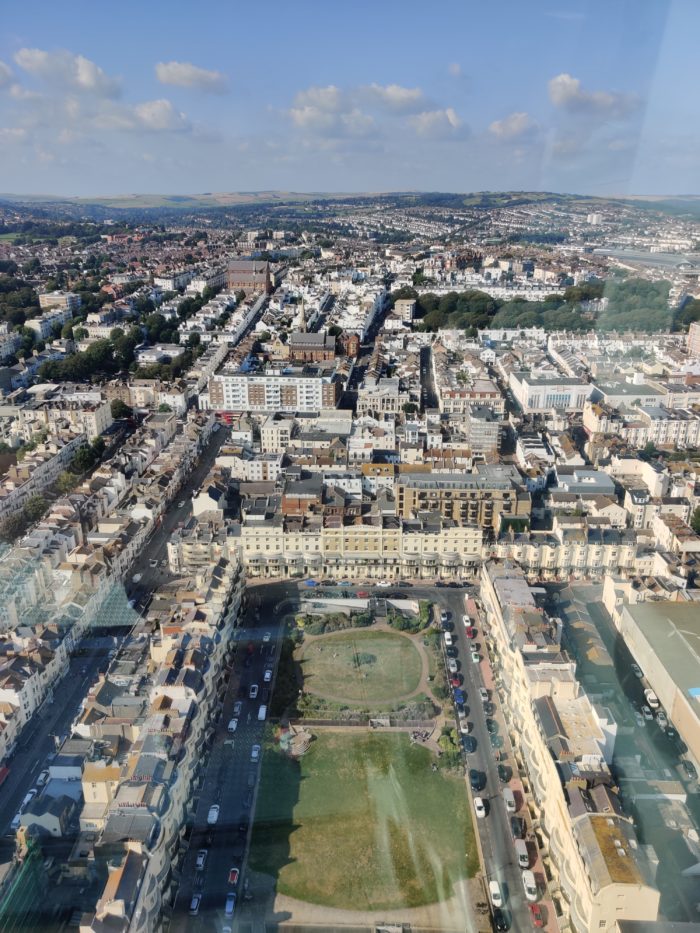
[[410, 408], [163, 408], [12, 527], [34, 508], [695, 521], [67, 332], [66, 482], [120, 409]]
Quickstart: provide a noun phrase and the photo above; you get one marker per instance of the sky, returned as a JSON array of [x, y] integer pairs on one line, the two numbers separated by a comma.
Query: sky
[[596, 97]]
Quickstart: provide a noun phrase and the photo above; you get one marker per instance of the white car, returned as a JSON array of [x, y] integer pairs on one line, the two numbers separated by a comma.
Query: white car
[[495, 894], [233, 725], [213, 815], [479, 807], [266, 637], [267, 676], [383, 583], [483, 693], [136, 577], [529, 885], [43, 778], [201, 858], [647, 714], [662, 719], [476, 657], [181, 504], [452, 666], [464, 727], [255, 753]]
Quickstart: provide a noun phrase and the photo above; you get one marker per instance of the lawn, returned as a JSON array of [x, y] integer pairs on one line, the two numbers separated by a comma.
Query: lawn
[[361, 666], [362, 822]]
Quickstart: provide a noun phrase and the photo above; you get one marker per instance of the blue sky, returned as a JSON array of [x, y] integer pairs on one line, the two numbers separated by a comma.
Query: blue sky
[[182, 97]]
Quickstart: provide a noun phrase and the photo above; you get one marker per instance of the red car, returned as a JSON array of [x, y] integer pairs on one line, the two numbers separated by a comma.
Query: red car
[[456, 680], [536, 915], [233, 876], [471, 633], [363, 594]]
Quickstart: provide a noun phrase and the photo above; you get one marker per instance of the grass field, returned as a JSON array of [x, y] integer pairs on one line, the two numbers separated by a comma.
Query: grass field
[[361, 666], [362, 822]]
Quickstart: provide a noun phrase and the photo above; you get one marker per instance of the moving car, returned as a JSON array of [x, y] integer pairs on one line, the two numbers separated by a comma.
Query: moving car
[[237, 707], [201, 858], [479, 807], [267, 676], [213, 815], [253, 692], [181, 504]]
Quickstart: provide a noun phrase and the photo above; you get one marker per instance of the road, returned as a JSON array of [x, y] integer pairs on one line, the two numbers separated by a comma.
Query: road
[[428, 395], [231, 776]]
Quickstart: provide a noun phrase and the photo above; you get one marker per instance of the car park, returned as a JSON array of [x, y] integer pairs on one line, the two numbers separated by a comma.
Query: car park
[[213, 815], [194, 904], [201, 859], [479, 807]]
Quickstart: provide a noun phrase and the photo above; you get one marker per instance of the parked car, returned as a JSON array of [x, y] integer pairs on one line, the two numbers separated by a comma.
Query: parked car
[[491, 726], [469, 744], [43, 778], [646, 713], [255, 753], [479, 807], [230, 904], [383, 583], [456, 680], [194, 904], [484, 694], [267, 676], [465, 726], [651, 698], [495, 894], [452, 666], [476, 657], [233, 876], [529, 885], [266, 637], [477, 779], [637, 671], [639, 719], [213, 815], [471, 633], [253, 692], [443, 617], [201, 858], [689, 768], [237, 707], [517, 827], [501, 920], [504, 774], [233, 725], [661, 719], [536, 915]]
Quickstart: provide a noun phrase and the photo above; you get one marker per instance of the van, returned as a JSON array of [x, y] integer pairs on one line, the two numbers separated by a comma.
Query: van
[[262, 713], [522, 853], [509, 799], [529, 885], [448, 640]]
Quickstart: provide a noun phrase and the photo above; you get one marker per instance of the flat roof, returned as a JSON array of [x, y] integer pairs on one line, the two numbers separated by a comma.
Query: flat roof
[[672, 629]]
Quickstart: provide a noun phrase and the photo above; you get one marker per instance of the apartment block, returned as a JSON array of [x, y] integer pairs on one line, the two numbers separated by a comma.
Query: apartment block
[[308, 388]]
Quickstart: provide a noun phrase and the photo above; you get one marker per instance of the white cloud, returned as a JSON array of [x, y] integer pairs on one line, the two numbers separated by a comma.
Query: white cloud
[[326, 123], [566, 93], [5, 75], [12, 134], [159, 115], [17, 92], [65, 69], [185, 74], [514, 126], [329, 99], [396, 98], [455, 69], [438, 123]]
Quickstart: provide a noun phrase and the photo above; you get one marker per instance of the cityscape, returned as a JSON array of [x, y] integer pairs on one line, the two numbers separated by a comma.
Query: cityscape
[[349, 538]]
